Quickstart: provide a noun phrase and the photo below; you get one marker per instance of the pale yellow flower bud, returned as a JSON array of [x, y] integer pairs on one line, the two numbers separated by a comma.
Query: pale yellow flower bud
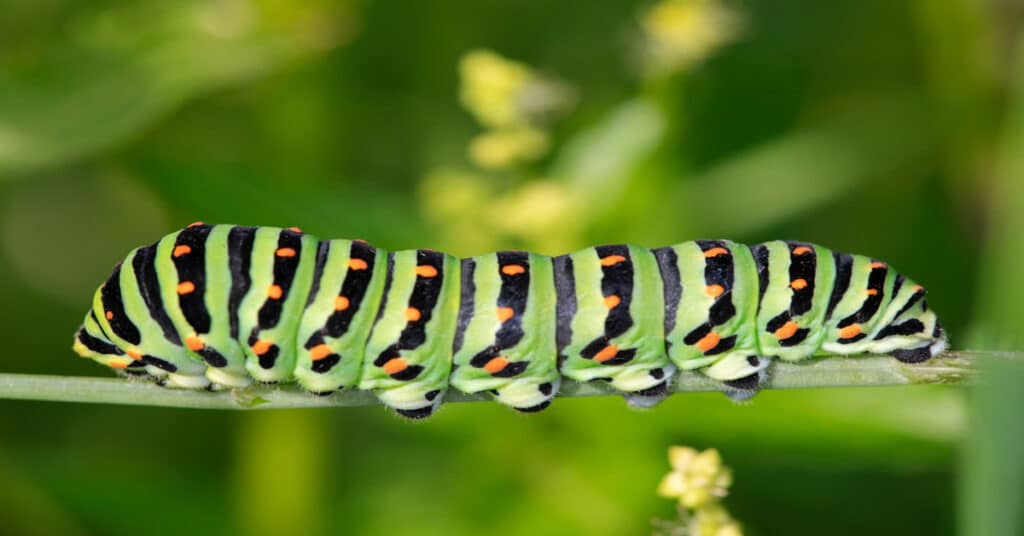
[[503, 148], [680, 33], [492, 87], [714, 520], [697, 479]]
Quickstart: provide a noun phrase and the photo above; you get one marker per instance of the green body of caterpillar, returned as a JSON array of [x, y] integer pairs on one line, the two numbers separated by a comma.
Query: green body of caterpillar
[[223, 305]]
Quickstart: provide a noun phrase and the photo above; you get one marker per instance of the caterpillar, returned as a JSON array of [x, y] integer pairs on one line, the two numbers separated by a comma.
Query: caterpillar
[[221, 306]]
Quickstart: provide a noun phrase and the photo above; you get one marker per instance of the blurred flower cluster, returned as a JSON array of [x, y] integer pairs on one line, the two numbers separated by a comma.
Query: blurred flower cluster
[[681, 33], [511, 101], [577, 180], [699, 481]]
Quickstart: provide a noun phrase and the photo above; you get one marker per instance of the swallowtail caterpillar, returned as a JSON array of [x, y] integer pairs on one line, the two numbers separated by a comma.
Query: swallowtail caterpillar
[[215, 306]]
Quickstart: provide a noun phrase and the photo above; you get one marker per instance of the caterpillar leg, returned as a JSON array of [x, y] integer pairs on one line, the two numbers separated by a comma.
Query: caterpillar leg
[[743, 388], [652, 396]]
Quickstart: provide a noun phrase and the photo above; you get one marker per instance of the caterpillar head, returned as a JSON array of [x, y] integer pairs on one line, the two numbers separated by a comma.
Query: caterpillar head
[[91, 342]]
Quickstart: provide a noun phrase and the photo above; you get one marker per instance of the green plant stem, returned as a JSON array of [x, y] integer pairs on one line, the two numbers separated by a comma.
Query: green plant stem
[[948, 368]]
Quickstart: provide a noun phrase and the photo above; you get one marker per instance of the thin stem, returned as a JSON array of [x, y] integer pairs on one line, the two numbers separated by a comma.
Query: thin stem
[[948, 368]]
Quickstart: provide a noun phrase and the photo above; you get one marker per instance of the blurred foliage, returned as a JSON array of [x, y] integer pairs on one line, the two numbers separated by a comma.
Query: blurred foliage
[[885, 128]]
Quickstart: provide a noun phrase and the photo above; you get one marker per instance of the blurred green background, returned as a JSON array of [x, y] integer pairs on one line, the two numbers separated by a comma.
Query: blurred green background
[[894, 129]]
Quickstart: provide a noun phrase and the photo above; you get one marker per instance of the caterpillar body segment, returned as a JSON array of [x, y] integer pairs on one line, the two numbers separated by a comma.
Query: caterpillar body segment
[[616, 329], [408, 355], [348, 283], [507, 317], [215, 306]]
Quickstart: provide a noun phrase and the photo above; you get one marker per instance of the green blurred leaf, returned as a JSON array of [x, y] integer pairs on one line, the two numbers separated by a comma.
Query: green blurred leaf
[[999, 313], [992, 484], [122, 68]]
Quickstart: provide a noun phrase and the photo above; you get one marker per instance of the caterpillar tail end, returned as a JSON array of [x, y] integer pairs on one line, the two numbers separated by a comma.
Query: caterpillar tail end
[[938, 345]]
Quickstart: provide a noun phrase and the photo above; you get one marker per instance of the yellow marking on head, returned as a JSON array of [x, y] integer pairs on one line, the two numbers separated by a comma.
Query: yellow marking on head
[[186, 287], [357, 264], [505, 313], [787, 330], [413, 314], [194, 343], [513, 269], [708, 342], [285, 252], [850, 331], [496, 364], [612, 260], [801, 250], [426, 270], [261, 347], [608, 352], [274, 292], [715, 251], [319, 352], [714, 290], [395, 365], [181, 250], [798, 284], [341, 303]]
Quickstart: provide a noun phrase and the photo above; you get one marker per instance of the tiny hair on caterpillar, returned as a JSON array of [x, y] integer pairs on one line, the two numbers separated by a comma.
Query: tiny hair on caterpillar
[[222, 306]]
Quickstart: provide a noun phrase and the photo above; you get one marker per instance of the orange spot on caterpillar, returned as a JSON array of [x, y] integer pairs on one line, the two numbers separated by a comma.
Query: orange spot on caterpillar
[[612, 260], [918, 288], [798, 284], [181, 250], [850, 331], [708, 342], [716, 251], [285, 252], [360, 240], [395, 365], [787, 330], [714, 290], [505, 313], [357, 264], [512, 269], [109, 315], [877, 264], [608, 352], [194, 343], [261, 347], [196, 224], [496, 364], [186, 287], [871, 292], [134, 354], [274, 292], [118, 364], [802, 250], [319, 352], [295, 229], [426, 270], [413, 314], [611, 301], [341, 303]]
